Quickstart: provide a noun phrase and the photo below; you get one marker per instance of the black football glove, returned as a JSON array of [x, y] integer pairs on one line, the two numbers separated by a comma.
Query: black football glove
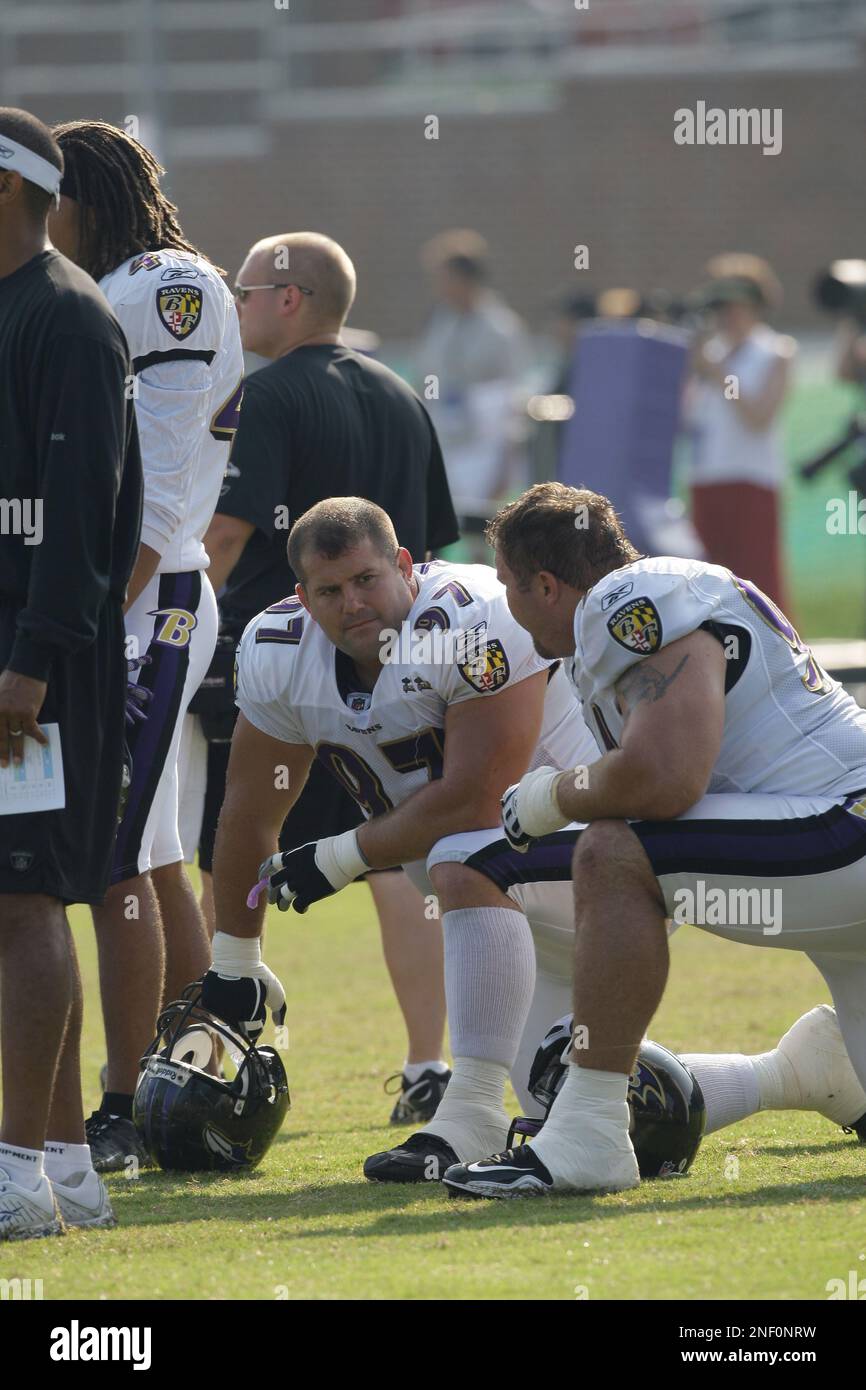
[[313, 871], [239, 988]]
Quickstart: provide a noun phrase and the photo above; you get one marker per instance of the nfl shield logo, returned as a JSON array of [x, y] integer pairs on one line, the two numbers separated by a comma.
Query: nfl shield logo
[[21, 860], [179, 308]]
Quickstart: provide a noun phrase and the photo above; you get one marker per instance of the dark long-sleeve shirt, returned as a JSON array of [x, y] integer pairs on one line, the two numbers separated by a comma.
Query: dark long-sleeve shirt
[[70, 471]]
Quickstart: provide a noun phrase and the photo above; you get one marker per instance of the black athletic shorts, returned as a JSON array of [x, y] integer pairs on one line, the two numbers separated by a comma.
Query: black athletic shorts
[[323, 808], [67, 854]]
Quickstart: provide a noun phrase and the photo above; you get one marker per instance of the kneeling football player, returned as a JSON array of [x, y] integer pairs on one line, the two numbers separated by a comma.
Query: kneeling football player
[[729, 793], [418, 691]]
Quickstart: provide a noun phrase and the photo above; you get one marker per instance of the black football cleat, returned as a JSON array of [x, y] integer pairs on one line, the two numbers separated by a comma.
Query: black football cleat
[[423, 1158], [418, 1100], [515, 1173], [113, 1142]]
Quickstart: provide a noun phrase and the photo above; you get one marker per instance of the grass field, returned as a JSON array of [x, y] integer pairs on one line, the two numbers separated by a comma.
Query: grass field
[[774, 1207]]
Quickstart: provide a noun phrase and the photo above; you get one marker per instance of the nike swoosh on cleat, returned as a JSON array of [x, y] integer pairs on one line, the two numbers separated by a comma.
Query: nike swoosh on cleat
[[497, 1168]]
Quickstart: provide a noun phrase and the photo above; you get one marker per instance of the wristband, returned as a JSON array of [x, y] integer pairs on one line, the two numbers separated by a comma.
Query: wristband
[[235, 955], [537, 808], [340, 859]]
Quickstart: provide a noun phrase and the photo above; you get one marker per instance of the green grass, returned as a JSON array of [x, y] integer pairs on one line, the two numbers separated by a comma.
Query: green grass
[[788, 1216]]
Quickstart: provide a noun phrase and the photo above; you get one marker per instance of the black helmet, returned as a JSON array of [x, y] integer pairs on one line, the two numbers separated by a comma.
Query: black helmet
[[664, 1099], [192, 1121]]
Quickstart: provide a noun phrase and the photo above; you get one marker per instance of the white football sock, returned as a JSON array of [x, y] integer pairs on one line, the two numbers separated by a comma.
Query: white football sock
[[588, 1119], [63, 1161], [777, 1081], [413, 1071], [24, 1166], [489, 980], [471, 1115], [731, 1085]]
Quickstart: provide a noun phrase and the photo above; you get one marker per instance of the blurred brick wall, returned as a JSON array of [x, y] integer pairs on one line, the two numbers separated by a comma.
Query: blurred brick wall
[[601, 169]]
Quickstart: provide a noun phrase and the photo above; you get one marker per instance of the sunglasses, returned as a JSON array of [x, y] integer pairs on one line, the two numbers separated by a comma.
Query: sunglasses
[[241, 292]]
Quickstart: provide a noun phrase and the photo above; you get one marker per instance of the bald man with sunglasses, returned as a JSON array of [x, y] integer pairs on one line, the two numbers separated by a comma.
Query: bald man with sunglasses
[[322, 420]]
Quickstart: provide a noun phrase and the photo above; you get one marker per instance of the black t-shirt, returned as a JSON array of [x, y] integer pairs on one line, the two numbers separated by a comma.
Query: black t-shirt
[[324, 421], [68, 455]]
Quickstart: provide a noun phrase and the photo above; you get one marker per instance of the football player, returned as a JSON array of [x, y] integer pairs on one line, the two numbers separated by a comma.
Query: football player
[[180, 322], [729, 794], [418, 691]]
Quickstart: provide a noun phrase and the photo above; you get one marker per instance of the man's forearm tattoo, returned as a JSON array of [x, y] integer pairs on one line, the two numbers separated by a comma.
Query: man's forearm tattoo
[[645, 684]]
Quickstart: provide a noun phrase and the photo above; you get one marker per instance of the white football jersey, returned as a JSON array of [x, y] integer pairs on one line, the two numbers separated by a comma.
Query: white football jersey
[[184, 340], [294, 685], [789, 728]]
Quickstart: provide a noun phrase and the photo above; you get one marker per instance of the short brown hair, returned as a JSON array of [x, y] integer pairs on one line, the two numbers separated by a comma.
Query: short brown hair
[[568, 531], [338, 524]]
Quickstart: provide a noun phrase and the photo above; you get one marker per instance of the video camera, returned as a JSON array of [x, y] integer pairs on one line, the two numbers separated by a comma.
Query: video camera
[[841, 289]]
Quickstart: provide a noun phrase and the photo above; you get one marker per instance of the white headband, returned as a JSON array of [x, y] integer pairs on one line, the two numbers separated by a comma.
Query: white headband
[[30, 166]]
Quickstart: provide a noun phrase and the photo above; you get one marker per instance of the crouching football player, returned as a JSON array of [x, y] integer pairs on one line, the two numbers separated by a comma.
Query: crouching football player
[[729, 793], [418, 691]]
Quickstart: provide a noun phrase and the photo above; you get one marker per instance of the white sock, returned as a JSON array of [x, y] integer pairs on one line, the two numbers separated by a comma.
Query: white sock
[[24, 1166], [590, 1111], [776, 1081], [489, 980], [63, 1161], [413, 1071], [471, 1115], [730, 1084]]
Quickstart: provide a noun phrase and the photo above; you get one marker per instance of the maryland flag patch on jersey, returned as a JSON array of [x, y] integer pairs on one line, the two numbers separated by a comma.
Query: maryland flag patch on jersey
[[489, 670], [179, 308], [637, 626]]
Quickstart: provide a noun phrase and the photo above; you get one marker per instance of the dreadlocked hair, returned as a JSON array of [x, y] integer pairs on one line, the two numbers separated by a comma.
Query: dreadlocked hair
[[123, 210]]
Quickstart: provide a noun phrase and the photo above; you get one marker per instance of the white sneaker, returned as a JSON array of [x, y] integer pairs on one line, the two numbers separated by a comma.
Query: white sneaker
[[816, 1071], [83, 1200], [27, 1213]]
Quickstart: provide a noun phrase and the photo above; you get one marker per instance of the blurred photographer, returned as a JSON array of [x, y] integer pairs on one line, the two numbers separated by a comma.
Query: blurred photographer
[[740, 375], [841, 289]]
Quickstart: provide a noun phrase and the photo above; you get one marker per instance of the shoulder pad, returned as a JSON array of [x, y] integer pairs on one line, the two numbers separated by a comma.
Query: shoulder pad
[[635, 611], [165, 301]]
